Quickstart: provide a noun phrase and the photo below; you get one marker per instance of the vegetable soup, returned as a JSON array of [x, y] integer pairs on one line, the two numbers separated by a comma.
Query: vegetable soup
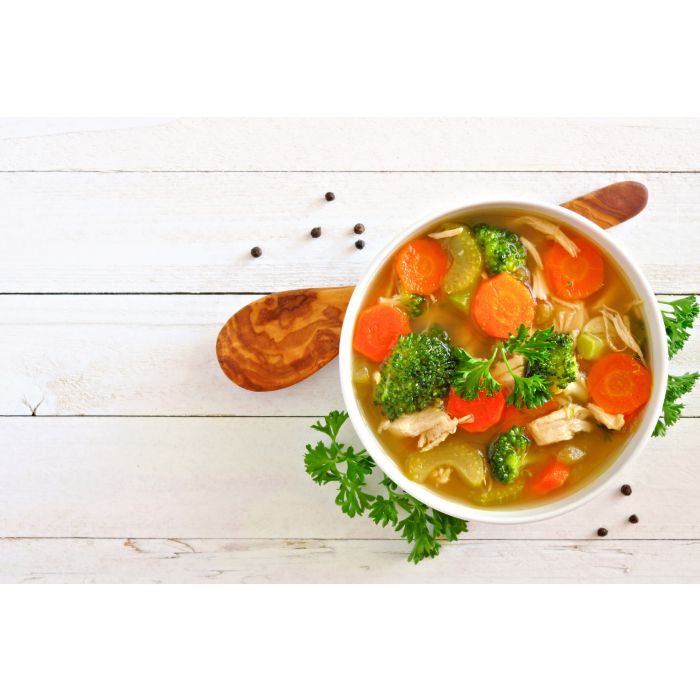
[[500, 360]]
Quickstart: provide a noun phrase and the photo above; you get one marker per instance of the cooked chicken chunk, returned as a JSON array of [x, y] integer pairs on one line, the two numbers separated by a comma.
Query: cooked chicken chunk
[[613, 421], [431, 426], [577, 390], [569, 316], [560, 425], [500, 372]]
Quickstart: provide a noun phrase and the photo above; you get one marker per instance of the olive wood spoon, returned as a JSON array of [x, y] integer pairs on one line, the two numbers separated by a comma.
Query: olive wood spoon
[[282, 338]]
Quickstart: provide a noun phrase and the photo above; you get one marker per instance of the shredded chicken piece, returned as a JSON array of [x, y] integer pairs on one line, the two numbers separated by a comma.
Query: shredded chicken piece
[[560, 425], [447, 234], [500, 372], [376, 376], [614, 421], [431, 426], [622, 330], [530, 247], [540, 288], [577, 390], [569, 315], [551, 231]]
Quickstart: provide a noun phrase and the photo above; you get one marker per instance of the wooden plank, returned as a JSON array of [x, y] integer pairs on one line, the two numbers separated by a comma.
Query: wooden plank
[[151, 355], [185, 232], [352, 144], [350, 561], [244, 478]]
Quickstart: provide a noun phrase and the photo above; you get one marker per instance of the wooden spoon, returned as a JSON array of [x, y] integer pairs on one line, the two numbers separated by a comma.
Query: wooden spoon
[[284, 337]]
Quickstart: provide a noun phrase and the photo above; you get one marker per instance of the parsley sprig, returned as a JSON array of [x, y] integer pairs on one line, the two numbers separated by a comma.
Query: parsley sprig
[[679, 316], [334, 462], [676, 387], [472, 374]]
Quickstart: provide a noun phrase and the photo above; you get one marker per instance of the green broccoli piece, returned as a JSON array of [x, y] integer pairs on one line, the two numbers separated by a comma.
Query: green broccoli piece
[[417, 372], [412, 304], [558, 367], [507, 453], [503, 251]]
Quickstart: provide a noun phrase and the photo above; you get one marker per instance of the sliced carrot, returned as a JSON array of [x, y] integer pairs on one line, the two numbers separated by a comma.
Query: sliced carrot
[[421, 266], [513, 416], [501, 304], [377, 330], [485, 410], [553, 476], [618, 383], [574, 277]]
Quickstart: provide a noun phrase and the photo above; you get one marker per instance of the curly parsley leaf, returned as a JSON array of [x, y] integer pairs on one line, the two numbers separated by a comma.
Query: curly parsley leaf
[[534, 348], [529, 392], [418, 524], [679, 316], [472, 375], [677, 386]]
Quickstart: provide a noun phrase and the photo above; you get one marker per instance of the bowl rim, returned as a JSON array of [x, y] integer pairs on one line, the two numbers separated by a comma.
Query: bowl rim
[[658, 362]]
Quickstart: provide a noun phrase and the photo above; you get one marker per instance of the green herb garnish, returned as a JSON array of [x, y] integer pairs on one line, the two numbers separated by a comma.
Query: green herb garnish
[[472, 375], [542, 349], [676, 387], [678, 320], [415, 522]]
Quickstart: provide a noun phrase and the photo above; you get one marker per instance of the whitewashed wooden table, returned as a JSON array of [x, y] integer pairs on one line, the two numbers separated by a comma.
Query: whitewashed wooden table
[[126, 455]]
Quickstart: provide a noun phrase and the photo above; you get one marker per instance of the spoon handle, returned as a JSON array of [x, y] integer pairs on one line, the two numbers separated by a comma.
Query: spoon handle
[[611, 205], [282, 338]]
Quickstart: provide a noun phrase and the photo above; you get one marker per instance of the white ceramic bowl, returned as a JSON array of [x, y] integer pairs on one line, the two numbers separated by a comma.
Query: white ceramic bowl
[[657, 359]]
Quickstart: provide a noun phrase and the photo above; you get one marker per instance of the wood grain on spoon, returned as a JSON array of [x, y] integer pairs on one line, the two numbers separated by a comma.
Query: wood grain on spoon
[[611, 205], [281, 339]]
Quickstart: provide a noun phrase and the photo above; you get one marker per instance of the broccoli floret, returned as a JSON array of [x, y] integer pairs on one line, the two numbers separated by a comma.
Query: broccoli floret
[[417, 372], [559, 367], [503, 251], [507, 453], [412, 304], [436, 331]]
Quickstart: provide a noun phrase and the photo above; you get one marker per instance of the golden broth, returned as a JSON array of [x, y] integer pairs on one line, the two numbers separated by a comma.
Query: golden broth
[[600, 446]]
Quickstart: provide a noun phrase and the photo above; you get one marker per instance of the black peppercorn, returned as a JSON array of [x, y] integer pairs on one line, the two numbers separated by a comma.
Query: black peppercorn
[[626, 489], [359, 228], [602, 532], [315, 232], [256, 252], [359, 245], [633, 519], [330, 196]]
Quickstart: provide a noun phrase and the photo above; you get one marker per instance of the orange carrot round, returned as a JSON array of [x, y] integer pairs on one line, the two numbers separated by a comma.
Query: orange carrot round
[[553, 476], [619, 384], [501, 304], [486, 410], [574, 277], [421, 266], [377, 330]]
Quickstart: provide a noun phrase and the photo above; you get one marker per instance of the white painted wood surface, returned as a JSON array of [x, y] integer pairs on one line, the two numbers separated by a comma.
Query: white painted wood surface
[[125, 246]]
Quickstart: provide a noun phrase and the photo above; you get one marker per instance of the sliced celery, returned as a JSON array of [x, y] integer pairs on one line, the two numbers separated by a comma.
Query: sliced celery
[[590, 346], [466, 264]]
